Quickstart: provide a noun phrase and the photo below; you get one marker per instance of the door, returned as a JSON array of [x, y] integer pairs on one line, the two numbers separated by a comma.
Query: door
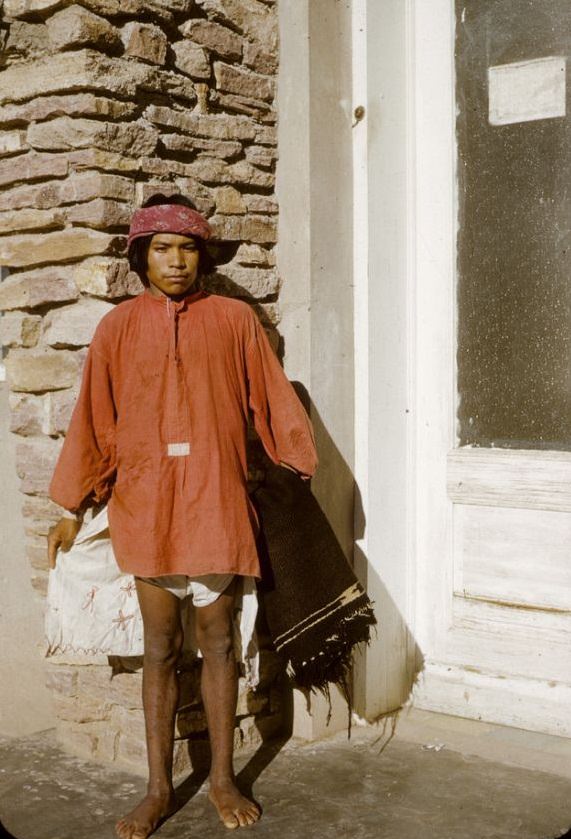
[[493, 363]]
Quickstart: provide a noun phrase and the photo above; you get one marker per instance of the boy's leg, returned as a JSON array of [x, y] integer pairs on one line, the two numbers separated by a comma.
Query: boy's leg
[[163, 642], [214, 631]]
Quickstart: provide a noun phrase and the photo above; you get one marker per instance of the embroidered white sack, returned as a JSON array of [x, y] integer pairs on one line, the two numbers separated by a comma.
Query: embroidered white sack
[[93, 608]]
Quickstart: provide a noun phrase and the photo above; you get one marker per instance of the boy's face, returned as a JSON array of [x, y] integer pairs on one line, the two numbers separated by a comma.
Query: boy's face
[[172, 264]]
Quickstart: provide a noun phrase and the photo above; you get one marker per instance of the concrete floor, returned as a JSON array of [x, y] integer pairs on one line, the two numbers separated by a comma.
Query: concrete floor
[[426, 782]]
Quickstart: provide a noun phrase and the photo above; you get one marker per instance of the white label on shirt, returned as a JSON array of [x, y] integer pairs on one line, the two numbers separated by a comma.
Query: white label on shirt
[[178, 449]]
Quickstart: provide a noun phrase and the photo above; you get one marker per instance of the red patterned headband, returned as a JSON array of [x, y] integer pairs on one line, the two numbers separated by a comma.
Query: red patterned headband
[[168, 218]]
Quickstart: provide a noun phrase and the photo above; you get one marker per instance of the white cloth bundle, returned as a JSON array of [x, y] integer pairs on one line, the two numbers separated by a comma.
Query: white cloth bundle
[[93, 609]]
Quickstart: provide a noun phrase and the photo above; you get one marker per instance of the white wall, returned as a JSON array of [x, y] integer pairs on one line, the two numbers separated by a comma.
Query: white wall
[[25, 704]]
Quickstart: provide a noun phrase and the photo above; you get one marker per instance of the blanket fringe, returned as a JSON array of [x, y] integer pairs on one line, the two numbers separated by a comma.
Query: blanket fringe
[[334, 664]]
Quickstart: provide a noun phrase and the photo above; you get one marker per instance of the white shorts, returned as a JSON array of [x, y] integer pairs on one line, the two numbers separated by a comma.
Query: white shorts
[[205, 589]]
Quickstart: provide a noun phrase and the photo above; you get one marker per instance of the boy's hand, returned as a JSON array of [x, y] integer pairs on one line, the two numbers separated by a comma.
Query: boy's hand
[[61, 535]]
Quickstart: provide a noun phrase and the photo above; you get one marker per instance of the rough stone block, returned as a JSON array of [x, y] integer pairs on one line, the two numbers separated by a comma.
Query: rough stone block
[[192, 60], [74, 104], [75, 26], [24, 8], [18, 329], [42, 511], [259, 229], [238, 281], [249, 16], [35, 371], [95, 740], [37, 555], [225, 149], [208, 170], [95, 680], [35, 462], [30, 289], [87, 186], [267, 135], [125, 689], [41, 196], [256, 57], [202, 197], [65, 133], [190, 187], [27, 414], [100, 159], [254, 255], [66, 72], [107, 278], [80, 709], [131, 724], [12, 142], [170, 83], [17, 221], [100, 213], [262, 204], [219, 39], [25, 41], [32, 166], [61, 246], [160, 8], [249, 228], [227, 228], [229, 201], [145, 41], [62, 679], [122, 689], [243, 82], [255, 108], [265, 156], [244, 172], [157, 167], [73, 326], [214, 171], [58, 409], [219, 126]]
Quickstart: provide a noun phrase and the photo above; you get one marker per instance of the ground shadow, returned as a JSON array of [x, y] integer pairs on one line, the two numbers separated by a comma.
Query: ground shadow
[[5, 833]]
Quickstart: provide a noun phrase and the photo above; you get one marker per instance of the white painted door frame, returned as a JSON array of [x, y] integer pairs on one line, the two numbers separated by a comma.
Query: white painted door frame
[[504, 654]]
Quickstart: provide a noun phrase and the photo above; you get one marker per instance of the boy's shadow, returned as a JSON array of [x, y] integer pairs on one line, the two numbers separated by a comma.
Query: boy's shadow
[[200, 758], [5, 834]]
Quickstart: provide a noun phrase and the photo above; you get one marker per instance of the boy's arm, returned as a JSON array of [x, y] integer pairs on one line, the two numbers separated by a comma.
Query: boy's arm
[[279, 417], [85, 470]]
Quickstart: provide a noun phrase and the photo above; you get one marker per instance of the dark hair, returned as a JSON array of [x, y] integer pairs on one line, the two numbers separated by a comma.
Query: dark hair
[[139, 248]]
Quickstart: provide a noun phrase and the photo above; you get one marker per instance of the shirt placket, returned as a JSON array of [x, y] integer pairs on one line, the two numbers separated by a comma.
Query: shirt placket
[[178, 444]]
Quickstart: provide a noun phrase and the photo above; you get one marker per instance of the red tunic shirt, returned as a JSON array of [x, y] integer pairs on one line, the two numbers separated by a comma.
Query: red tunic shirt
[[160, 430]]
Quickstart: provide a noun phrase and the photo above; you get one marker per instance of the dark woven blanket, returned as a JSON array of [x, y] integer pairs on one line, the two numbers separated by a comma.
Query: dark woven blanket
[[315, 607]]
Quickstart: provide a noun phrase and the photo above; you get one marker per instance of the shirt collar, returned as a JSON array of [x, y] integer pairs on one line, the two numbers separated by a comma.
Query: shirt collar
[[179, 305]]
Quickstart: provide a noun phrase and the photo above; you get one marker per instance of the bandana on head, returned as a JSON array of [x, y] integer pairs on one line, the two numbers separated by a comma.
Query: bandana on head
[[168, 218]]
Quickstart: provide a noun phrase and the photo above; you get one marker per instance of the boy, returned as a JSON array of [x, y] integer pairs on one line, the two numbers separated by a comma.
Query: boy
[[159, 431]]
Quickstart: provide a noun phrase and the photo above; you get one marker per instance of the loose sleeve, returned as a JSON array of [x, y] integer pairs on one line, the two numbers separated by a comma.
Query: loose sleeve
[[86, 467], [279, 417]]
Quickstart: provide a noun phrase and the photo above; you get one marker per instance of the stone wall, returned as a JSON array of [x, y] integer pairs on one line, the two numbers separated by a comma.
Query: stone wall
[[101, 104]]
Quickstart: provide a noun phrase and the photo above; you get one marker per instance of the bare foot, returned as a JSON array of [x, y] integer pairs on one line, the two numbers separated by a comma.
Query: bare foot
[[233, 808], [147, 816]]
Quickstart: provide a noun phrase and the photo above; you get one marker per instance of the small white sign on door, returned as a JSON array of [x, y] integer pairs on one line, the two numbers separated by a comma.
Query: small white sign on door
[[527, 90]]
